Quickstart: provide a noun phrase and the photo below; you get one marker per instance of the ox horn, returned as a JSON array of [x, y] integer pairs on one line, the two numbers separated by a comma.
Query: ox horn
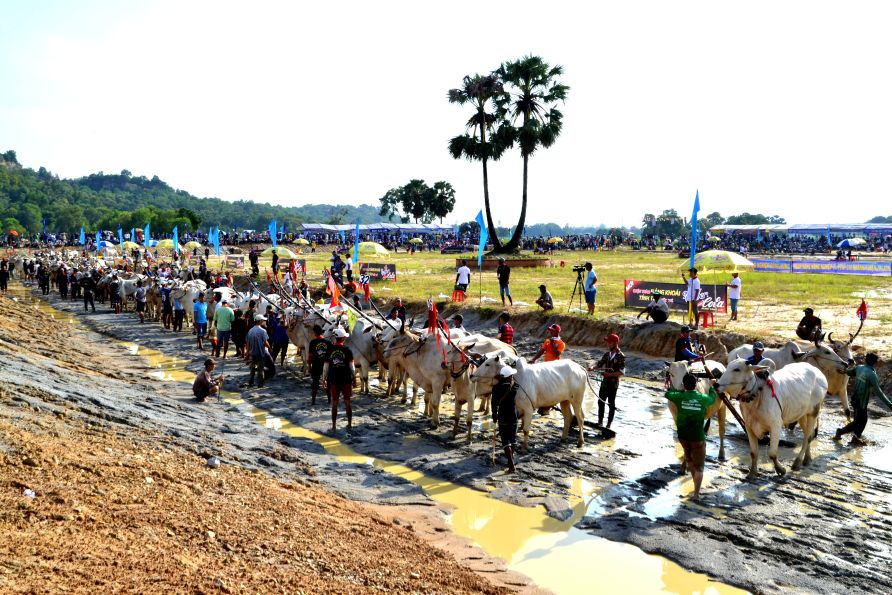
[[830, 337], [402, 327], [852, 337]]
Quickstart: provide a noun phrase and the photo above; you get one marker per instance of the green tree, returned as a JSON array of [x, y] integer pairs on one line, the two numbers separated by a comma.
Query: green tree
[[529, 97], [442, 200], [29, 215], [474, 145], [754, 219]]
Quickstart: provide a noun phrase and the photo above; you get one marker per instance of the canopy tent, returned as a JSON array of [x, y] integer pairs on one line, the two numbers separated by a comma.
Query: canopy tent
[[749, 229], [431, 228], [816, 229]]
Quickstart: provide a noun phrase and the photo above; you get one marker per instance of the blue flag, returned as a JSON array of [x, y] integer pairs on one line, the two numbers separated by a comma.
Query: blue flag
[[217, 240], [758, 235], [829, 241], [98, 239], [133, 234], [455, 228], [484, 234], [343, 237], [44, 226], [120, 237], [273, 228], [145, 237], [694, 228], [82, 239], [176, 239], [356, 245]]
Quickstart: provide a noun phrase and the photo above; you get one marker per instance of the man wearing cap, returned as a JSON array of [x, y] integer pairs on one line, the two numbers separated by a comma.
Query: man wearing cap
[[545, 301], [756, 357], [223, 317], [657, 309], [553, 346], [504, 412], [590, 287], [337, 375], [612, 366], [692, 296], [809, 328], [503, 274], [258, 345], [317, 354], [684, 349], [734, 293]]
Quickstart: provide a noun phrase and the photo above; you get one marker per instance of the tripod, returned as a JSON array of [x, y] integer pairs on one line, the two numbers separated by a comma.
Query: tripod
[[577, 291]]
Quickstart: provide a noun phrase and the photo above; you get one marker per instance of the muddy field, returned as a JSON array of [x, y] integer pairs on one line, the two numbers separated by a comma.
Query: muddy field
[[825, 529]]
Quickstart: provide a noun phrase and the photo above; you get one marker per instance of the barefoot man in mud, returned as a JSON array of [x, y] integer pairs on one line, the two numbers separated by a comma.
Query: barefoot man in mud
[[692, 407], [205, 384], [504, 413], [338, 376]]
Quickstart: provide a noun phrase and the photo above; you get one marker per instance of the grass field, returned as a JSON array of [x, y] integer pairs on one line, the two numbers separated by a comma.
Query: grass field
[[770, 307]]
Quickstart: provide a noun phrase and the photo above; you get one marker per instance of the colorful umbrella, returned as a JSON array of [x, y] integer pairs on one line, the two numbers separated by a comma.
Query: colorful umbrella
[[193, 244], [13, 232], [301, 242], [130, 246], [851, 243], [416, 241], [720, 260], [555, 240]]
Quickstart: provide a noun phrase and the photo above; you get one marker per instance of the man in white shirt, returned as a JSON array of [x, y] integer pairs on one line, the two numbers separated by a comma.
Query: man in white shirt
[[734, 293], [692, 295], [463, 277]]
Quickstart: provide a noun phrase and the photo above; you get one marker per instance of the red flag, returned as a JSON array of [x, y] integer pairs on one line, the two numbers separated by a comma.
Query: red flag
[[335, 293], [292, 270], [862, 311], [269, 278]]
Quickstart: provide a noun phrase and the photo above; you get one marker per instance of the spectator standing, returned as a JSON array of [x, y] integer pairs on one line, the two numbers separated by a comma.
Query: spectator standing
[[692, 296], [258, 346], [223, 318], [463, 277], [503, 274], [590, 287], [506, 331], [200, 319], [734, 293]]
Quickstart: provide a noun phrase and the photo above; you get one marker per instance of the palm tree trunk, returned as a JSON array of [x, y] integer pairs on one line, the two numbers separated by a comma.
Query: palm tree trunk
[[514, 243], [496, 244]]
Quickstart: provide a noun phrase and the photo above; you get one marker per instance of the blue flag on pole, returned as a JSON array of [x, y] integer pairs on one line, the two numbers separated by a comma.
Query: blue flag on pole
[[98, 239], [455, 229], [694, 228], [133, 234], [176, 239], [484, 234], [829, 241], [356, 244], [217, 240], [758, 235], [82, 239], [120, 237], [273, 228], [145, 237]]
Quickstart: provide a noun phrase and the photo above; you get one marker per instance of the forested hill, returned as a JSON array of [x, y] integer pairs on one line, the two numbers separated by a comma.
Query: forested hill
[[104, 201]]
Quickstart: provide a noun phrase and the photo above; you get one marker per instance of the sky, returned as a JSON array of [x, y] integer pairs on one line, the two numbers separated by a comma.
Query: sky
[[780, 108]]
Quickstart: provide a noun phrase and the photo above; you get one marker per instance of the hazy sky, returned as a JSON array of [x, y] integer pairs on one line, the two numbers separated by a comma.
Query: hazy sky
[[775, 107]]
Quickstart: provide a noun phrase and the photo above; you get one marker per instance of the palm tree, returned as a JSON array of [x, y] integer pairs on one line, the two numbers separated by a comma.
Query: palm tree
[[530, 92], [480, 91]]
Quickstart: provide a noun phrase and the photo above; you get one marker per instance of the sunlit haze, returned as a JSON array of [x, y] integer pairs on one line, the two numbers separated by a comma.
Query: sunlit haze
[[768, 107]]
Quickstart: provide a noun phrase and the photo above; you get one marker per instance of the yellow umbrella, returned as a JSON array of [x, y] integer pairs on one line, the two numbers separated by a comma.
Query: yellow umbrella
[[130, 245], [193, 244], [372, 249], [301, 242], [555, 240], [416, 241], [168, 244], [720, 260], [282, 252]]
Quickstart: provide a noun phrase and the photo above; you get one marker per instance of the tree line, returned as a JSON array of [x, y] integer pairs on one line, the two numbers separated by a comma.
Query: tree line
[[101, 201]]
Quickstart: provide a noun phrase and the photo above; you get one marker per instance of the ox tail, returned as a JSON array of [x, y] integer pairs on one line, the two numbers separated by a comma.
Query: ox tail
[[706, 426]]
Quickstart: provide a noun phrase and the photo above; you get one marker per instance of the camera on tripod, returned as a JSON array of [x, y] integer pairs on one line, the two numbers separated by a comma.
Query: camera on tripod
[[579, 268]]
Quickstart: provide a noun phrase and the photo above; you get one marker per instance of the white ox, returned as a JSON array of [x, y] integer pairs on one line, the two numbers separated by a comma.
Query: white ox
[[542, 385], [831, 360], [676, 372], [482, 346], [795, 395], [434, 367]]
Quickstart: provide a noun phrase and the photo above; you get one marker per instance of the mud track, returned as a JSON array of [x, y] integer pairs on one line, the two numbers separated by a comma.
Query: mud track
[[825, 529]]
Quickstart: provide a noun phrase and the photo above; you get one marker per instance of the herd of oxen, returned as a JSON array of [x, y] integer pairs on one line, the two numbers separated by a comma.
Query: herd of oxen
[[787, 388]]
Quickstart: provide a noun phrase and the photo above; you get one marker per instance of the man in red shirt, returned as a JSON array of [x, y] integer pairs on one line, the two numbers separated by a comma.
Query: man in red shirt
[[506, 332]]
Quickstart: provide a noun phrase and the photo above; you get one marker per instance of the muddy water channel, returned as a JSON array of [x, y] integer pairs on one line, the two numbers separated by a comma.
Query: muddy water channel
[[580, 520]]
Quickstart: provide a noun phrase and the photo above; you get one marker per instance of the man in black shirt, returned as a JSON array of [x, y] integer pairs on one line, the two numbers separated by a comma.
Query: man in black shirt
[[504, 413], [809, 328], [684, 350], [398, 312], [338, 377], [4, 276], [318, 353], [88, 286], [503, 274]]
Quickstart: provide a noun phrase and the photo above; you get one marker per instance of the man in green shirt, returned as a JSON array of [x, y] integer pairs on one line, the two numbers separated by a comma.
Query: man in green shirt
[[865, 382], [692, 407], [223, 317]]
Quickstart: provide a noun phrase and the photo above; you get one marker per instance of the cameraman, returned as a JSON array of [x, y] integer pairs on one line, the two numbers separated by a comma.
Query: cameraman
[[590, 287]]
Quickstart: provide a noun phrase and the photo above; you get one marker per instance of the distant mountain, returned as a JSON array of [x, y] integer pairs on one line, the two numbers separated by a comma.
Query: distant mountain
[[104, 201]]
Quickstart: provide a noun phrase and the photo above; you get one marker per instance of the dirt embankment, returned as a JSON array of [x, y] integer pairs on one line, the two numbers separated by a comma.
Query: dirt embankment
[[104, 486]]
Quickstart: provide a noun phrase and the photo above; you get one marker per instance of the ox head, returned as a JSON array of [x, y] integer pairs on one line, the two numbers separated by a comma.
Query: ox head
[[489, 368], [824, 358], [738, 376], [845, 349]]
